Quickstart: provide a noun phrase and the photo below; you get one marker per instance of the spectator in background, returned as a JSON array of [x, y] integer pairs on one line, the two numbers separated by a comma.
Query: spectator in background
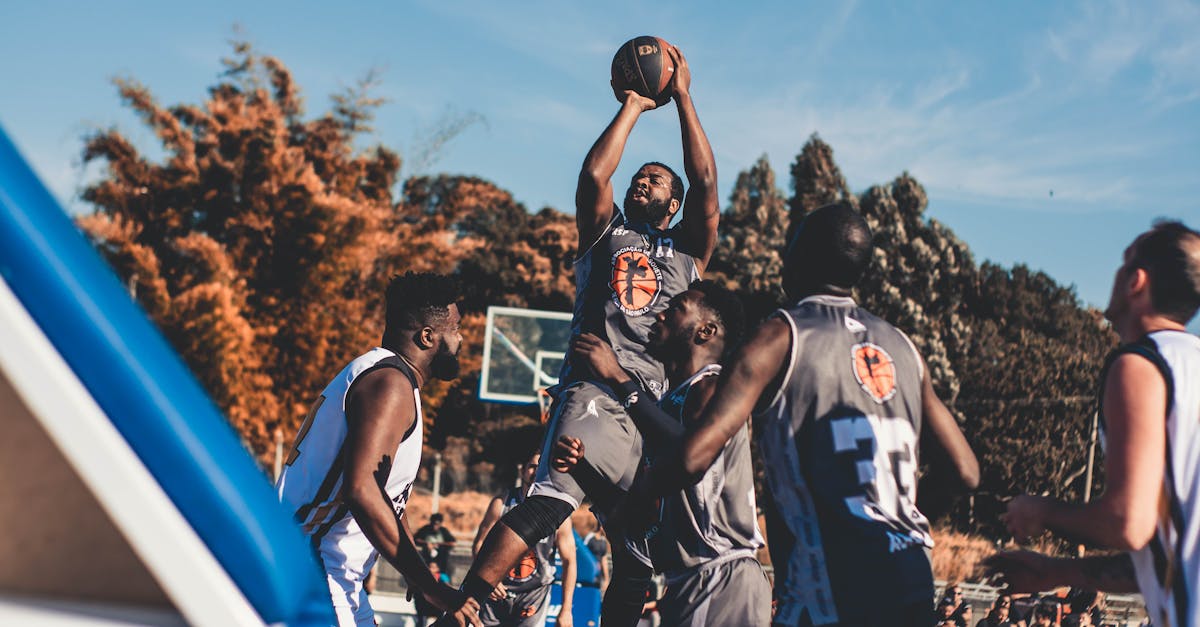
[[1045, 614], [1086, 608], [954, 595], [965, 615], [945, 611], [435, 542], [1000, 614]]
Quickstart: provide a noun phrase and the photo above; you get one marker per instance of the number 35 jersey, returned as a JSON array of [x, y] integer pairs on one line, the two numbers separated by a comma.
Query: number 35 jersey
[[839, 442]]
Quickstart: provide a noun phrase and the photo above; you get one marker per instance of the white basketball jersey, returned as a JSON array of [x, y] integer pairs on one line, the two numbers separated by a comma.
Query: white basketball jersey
[[311, 483], [1168, 568]]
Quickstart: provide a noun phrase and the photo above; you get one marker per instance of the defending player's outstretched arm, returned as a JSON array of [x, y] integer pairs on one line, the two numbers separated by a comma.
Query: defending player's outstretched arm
[[1026, 571], [1124, 517], [380, 412], [701, 207], [754, 366], [659, 429]]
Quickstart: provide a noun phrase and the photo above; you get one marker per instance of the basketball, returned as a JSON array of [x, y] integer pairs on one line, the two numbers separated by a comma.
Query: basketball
[[644, 66]]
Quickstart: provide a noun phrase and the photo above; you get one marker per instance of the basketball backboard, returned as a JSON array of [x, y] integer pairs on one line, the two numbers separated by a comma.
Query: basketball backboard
[[523, 350]]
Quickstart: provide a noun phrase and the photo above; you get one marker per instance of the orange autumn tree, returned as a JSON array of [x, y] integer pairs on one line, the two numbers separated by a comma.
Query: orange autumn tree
[[261, 242]]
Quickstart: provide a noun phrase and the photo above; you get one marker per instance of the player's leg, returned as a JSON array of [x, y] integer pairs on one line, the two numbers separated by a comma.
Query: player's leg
[[614, 446], [626, 594], [584, 411], [349, 602]]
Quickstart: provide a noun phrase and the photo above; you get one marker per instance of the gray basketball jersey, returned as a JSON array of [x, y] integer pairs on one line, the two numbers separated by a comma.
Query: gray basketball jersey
[[536, 567], [714, 517], [839, 441], [624, 279]]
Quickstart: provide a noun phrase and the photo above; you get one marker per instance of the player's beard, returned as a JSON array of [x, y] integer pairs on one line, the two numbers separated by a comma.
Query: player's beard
[[445, 364], [653, 213]]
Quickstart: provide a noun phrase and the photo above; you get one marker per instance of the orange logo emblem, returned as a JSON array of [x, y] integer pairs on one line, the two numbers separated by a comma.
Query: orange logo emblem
[[636, 281], [875, 371], [524, 568]]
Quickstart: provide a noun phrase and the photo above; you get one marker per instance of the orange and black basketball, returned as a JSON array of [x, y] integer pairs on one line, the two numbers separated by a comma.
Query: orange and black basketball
[[643, 65]]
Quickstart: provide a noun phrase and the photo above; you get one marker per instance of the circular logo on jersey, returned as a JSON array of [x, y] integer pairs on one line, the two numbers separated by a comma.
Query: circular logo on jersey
[[875, 371], [636, 281], [524, 568]]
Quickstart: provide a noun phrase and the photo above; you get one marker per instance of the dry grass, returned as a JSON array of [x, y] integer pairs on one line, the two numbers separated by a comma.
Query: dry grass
[[956, 556]]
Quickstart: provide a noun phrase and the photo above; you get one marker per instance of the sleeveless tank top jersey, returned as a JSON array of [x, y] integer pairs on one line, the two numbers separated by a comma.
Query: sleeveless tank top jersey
[[624, 279], [1168, 567], [311, 482], [839, 442], [536, 568], [715, 518]]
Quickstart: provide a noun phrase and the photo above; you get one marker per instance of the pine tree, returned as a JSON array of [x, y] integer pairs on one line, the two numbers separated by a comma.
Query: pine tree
[[749, 254]]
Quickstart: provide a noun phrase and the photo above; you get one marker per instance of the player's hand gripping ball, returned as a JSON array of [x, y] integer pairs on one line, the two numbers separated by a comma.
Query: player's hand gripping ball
[[644, 65]]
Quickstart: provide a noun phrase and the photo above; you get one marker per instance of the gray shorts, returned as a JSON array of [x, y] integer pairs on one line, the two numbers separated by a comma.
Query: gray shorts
[[518, 609], [611, 442], [733, 592]]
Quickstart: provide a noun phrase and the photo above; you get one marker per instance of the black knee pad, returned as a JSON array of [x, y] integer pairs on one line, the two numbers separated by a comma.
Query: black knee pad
[[537, 517]]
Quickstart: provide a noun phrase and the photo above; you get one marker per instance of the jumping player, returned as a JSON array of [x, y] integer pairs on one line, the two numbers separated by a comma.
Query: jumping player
[[1150, 408], [521, 600], [704, 537], [842, 399], [352, 466], [629, 265]]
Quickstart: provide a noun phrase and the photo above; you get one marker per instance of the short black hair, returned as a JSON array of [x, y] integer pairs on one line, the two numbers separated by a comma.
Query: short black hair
[[1170, 254], [727, 307], [676, 182], [831, 248], [417, 299]]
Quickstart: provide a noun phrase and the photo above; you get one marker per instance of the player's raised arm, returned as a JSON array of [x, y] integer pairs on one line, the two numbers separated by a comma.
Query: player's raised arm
[[701, 206], [380, 411], [594, 191]]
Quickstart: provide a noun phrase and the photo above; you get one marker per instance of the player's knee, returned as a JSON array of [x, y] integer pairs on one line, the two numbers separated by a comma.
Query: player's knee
[[536, 518]]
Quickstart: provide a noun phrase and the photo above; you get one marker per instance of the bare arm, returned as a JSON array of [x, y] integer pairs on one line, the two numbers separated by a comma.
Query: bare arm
[[1026, 571], [943, 430], [1124, 517], [564, 538], [701, 206], [379, 412], [494, 511], [594, 191]]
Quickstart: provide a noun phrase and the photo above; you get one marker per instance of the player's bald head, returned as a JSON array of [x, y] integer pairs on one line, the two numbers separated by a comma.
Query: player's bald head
[[828, 253]]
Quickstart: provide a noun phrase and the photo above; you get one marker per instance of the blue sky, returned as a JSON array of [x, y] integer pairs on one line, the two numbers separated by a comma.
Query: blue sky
[[1045, 133]]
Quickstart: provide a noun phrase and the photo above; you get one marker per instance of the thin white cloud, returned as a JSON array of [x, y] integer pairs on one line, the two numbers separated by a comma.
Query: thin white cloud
[[1107, 39]]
